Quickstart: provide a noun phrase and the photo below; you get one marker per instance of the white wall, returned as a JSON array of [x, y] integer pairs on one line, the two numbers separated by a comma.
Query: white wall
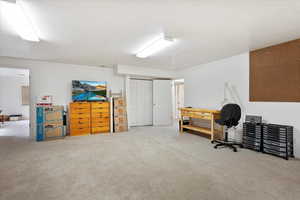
[[11, 95], [55, 79], [204, 88]]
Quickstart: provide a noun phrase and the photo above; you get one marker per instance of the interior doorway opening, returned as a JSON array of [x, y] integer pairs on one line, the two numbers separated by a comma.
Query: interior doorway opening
[[14, 102], [178, 97]]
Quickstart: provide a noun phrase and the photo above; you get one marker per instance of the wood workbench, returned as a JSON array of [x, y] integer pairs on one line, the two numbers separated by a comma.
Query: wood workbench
[[203, 114]]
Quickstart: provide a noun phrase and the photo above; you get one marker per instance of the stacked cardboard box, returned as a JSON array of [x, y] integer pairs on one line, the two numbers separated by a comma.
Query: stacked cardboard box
[[49, 120], [120, 114]]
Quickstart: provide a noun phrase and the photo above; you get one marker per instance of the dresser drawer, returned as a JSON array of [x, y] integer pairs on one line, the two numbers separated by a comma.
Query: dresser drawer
[[79, 131], [79, 110], [100, 130], [80, 125], [100, 115], [100, 110], [95, 105], [101, 126], [80, 116], [100, 123], [80, 105], [80, 121], [100, 119]]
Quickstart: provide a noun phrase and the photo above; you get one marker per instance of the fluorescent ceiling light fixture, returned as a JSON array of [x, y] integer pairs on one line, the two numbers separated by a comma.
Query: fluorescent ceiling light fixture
[[16, 16], [154, 46]]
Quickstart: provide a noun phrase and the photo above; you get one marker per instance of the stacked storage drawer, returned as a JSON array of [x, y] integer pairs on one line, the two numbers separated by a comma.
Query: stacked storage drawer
[[49, 122], [80, 118], [278, 140], [120, 115], [252, 136], [100, 117]]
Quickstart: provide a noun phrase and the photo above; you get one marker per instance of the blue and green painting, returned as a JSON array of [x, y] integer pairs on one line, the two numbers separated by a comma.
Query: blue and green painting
[[88, 90]]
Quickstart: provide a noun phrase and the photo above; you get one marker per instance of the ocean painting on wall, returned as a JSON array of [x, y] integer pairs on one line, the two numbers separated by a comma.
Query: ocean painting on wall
[[89, 90]]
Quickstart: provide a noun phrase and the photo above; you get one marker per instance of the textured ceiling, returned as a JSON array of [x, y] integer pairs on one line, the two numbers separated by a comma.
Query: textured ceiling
[[109, 32]]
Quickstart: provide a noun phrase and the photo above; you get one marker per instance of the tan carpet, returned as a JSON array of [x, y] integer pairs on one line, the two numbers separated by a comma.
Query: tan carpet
[[145, 163]]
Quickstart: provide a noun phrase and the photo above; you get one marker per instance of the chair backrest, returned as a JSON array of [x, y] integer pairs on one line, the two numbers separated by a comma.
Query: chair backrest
[[231, 114]]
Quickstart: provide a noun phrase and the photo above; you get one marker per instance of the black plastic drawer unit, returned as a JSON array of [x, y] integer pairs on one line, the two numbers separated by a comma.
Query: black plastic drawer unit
[[278, 140], [252, 136], [272, 139]]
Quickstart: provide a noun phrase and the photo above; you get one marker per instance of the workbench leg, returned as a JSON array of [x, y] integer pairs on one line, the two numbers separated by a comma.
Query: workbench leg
[[212, 124], [181, 124], [222, 136]]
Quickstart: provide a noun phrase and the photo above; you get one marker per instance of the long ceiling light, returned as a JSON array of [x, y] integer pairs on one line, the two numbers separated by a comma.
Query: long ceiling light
[[16, 16], [154, 46]]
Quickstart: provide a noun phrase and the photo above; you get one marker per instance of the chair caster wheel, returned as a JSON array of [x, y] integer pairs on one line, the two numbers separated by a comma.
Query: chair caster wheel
[[215, 147], [212, 141], [234, 150]]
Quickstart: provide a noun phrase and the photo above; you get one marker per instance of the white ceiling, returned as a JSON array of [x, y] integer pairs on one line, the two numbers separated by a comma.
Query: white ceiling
[[109, 32]]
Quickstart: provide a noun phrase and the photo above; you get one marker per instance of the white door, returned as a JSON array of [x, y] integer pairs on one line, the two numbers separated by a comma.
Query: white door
[[140, 102], [179, 98], [162, 102]]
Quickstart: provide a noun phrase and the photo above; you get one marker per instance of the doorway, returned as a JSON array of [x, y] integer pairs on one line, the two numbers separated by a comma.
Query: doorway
[[14, 102], [178, 97], [162, 102]]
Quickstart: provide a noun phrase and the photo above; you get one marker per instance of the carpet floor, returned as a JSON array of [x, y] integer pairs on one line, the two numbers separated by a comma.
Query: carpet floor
[[143, 164]]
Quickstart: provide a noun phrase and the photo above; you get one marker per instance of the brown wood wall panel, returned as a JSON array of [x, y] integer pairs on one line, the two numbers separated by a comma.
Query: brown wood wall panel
[[275, 73]]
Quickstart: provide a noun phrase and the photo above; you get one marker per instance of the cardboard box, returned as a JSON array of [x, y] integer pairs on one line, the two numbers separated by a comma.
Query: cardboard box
[[120, 120], [49, 113], [120, 128], [50, 132], [53, 123], [120, 115], [53, 116], [119, 111], [49, 121], [54, 132], [119, 101], [40, 132], [53, 108]]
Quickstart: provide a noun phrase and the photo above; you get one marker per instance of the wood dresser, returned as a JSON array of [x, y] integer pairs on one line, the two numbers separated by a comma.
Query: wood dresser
[[203, 114], [100, 117], [80, 118], [89, 118]]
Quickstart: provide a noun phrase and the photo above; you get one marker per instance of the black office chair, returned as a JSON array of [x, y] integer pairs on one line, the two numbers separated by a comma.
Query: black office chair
[[230, 116]]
